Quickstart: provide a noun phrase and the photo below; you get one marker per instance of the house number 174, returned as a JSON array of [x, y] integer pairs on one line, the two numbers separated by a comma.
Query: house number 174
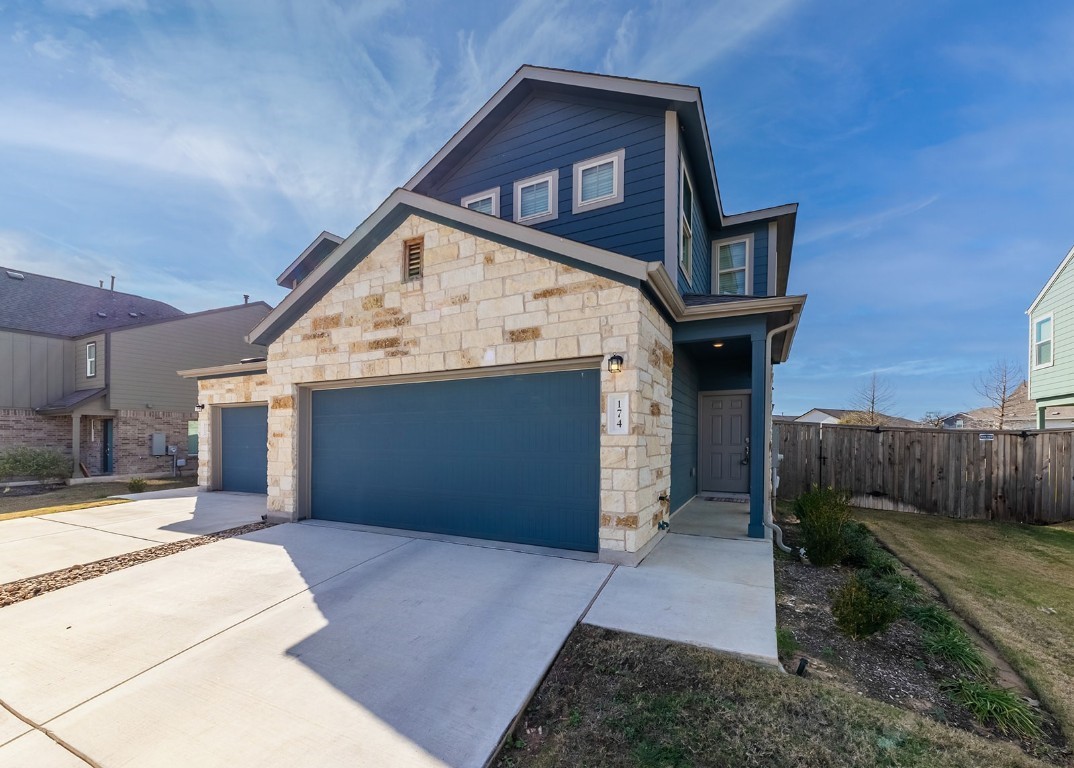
[[618, 415]]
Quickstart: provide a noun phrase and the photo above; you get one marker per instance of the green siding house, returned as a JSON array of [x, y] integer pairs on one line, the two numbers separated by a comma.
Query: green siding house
[[1051, 341]]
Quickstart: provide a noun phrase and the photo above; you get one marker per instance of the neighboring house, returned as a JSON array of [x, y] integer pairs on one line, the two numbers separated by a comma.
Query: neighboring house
[[553, 334], [91, 371], [1020, 413], [843, 415], [1051, 340]]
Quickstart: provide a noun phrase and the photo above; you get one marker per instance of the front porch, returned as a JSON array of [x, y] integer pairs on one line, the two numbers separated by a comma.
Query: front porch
[[714, 518]]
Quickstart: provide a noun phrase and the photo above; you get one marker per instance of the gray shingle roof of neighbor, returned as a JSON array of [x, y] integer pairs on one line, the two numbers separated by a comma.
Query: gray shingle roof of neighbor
[[69, 402], [49, 305]]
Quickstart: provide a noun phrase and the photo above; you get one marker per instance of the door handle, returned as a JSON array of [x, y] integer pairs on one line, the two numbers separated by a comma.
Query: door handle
[[746, 455]]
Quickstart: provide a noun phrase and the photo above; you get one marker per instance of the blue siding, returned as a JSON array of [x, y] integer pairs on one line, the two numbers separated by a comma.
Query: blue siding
[[555, 132], [509, 458], [684, 388], [244, 449]]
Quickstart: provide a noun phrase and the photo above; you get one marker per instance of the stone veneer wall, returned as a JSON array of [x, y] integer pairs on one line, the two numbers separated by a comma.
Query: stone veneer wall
[[131, 440], [477, 304]]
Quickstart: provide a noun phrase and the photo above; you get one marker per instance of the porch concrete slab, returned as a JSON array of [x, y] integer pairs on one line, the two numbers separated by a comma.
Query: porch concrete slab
[[707, 591], [421, 656], [37, 750], [11, 727], [63, 647], [68, 546]]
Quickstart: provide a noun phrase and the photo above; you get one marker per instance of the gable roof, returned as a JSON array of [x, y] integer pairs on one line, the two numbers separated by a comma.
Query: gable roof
[[685, 100], [402, 203], [1051, 280], [56, 307], [308, 260]]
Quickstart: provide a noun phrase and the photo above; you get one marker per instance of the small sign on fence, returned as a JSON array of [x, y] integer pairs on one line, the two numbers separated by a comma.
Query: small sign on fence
[[986, 436]]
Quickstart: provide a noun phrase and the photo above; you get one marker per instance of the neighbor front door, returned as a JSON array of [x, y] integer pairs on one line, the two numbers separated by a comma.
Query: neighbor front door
[[725, 443], [108, 440]]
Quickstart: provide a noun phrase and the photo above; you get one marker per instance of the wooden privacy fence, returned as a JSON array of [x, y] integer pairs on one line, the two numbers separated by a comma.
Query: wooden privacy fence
[[1014, 476]]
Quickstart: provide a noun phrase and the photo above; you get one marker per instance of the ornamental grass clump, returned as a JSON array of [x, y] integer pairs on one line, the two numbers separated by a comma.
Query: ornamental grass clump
[[824, 516]]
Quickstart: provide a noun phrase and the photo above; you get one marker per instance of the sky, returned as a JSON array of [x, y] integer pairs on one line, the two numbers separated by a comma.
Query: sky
[[193, 149]]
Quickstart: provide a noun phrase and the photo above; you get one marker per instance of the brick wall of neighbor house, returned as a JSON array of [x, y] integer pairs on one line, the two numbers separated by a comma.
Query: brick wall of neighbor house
[[131, 440], [251, 388], [22, 426], [478, 304]]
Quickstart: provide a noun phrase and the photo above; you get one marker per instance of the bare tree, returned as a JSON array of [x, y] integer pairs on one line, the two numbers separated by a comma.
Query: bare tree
[[870, 402], [998, 385], [933, 418]]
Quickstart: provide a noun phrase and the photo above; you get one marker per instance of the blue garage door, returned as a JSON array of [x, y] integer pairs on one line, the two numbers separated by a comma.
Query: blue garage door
[[244, 449], [508, 458]]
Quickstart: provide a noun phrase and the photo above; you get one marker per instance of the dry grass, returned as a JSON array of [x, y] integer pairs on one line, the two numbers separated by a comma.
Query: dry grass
[[70, 497], [61, 508], [1013, 583], [614, 699]]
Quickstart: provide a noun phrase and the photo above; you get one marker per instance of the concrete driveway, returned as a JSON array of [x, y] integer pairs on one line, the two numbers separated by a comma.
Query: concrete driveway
[[30, 546], [298, 645]]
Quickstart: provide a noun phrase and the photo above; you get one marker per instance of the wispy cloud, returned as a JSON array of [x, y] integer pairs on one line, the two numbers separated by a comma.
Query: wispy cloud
[[862, 226]]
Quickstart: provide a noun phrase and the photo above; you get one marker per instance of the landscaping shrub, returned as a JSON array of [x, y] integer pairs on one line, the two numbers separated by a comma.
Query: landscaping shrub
[[136, 485], [824, 515], [865, 606], [860, 544], [880, 563], [956, 646], [786, 642], [42, 464], [996, 706]]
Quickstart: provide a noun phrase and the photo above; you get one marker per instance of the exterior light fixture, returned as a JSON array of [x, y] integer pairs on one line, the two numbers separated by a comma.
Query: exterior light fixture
[[615, 363], [717, 344], [199, 407]]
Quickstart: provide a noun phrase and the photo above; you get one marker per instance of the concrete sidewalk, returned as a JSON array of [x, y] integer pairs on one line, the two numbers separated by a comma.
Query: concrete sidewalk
[[30, 546], [710, 585], [298, 645]]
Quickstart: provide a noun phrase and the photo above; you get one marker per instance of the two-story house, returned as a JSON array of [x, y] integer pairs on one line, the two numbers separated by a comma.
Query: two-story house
[[553, 334], [1051, 335], [91, 371]]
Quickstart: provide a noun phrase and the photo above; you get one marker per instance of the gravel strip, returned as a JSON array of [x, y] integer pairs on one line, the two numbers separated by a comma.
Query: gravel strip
[[24, 589]]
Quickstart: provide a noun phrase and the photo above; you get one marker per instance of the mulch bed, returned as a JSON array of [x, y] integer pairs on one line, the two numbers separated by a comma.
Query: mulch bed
[[24, 589], [13, 491], [891, 666]]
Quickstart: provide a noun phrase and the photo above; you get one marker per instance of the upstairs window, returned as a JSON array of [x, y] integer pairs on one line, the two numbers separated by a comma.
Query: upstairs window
[[1042, 342], [91, 359], [484, 202], [733, 259], [413, 258], [537, 198], [598, 182], [686, 225]]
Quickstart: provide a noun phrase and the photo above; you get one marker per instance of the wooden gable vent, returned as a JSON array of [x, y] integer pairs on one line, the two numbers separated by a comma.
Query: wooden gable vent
[[412, 258]]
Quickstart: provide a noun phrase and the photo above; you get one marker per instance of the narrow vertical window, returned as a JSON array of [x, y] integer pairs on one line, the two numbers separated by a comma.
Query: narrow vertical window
[[1042, 342], [413, 253], [686, 212], [91, 359]]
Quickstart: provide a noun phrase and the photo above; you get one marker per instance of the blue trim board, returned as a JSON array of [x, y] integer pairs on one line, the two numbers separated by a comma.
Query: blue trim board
[[757, 441]]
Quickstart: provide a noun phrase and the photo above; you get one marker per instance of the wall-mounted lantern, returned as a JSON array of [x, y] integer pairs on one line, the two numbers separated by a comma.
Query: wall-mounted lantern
[[615, 363]]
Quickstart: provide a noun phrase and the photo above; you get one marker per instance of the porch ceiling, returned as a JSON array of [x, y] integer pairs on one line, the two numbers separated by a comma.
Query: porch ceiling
[[705, 353]]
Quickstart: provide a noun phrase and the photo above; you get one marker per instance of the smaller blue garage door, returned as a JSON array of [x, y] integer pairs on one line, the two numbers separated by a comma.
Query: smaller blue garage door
[[244, 449]]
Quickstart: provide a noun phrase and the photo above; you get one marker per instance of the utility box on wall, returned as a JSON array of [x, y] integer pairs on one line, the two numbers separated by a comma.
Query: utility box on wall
[[156, 444]]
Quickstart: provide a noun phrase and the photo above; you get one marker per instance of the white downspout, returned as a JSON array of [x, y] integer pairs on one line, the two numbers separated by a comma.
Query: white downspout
[[770, 488]]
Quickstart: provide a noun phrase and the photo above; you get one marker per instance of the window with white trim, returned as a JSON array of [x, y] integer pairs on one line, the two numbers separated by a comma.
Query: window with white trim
[[537, 198], [91, 359], [598, 182], [1043, 333], [484, 202], [686, 223], [733, 261]]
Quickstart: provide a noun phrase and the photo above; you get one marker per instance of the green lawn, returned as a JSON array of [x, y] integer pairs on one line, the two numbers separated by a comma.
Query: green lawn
[[614, 699], [1014, 583], [76, 497]]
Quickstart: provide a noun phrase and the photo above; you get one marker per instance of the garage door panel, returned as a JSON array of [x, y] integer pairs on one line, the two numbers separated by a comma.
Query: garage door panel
[[512, 458], [244, 449]]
